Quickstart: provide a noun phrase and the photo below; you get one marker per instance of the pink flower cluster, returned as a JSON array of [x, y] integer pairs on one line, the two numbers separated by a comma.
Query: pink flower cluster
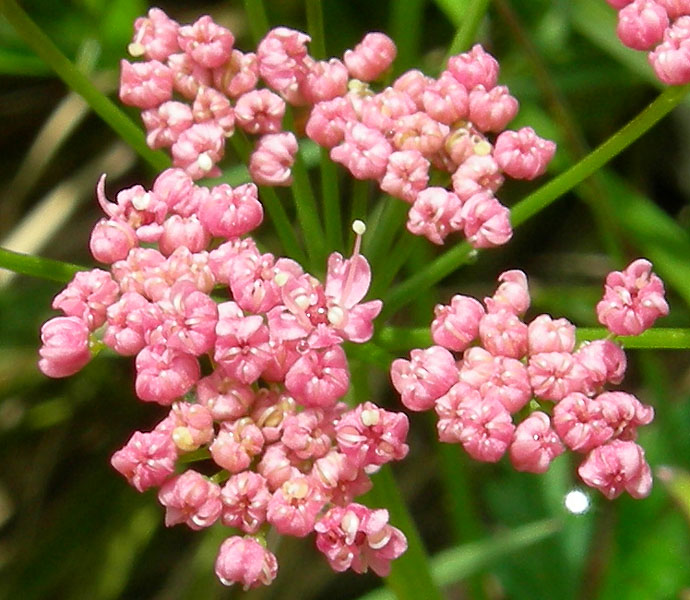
[[245, 351], [661, 28], [499, 384], [455, 124]]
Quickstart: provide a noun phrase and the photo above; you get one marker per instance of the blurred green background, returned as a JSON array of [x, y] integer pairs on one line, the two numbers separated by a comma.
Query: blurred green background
[[70, 527]]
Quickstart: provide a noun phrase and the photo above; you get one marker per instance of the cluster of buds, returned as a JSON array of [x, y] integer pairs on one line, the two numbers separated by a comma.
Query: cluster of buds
[[661, 28], [525, 389], [246, 352], [455, 124]]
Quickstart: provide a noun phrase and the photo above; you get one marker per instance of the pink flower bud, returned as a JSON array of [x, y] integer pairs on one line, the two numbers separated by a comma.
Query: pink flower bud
[[624, 413], [65, 348], [675, 8], [534, 444], [164, 374], [188, 75], [165, 123], [492, 110], [420, 132], [192, 425], [616, 467], [281, 56], [456, 326], [111, 240], [145, 85], [176, 189], [486, 221], [294, 506], [319, 377], [554, 375], [272, 159], [130, 322], [211, 105], [147, 459], [231, 213], [327, 121], [503, 334], [245, 498], [324, 81], [580, 423], [183, 231], [641, 24], [206, 42], [238, 75], [435, 214], [155, 36], [671, 58], [371, 57], [474, 68], [364, 152], [191, 499], [307, 434], [198, 149], [480, 169], [413, 83], [446, 100], [245, 561], [407, 174], [523, 154], [259, 112], [511, 295], [550, 335], [87, 297], [225, 398], [236, 444], [604, 362]]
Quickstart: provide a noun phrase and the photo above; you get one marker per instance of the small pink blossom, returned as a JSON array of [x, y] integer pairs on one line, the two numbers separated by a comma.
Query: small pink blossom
[[534, 444], [65, 349], [275, 466], [245, 498], [580, 423], [479, 169], [503, 334], [523, 154], [130, 322], [238, 75], [188, 75], [512, 293], [177, 191], [165, 123], [282, 61], [294, 506], [146, 84], [236, 444], [206, 42], [340, 478], [446, 100], [192, 425], [554, 375], [191, 499], [147, 459], [319, 377], [185, 232], [88, 296], [198, 149], [420, 132], [474, 68], [641, 24], [272, 159], [456, 326], [225, 398], [327, 121], [111, 240], [671, 59], [371, 57], [435, 214], [164, 374], [407, 174], [413, 83], [324, 81], [270, 411], [211, 105], [381, 111], [491, 110], [675, 8], [486, 221], [550, 335], [155, 36], [624, 413], [604, 362], [616, 467], [229, 213], [245, 561], [259, 112], [364, 151], [307, 434]]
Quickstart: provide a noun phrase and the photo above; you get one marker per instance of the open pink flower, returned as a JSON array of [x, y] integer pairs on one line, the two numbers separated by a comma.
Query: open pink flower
[[245, 561]]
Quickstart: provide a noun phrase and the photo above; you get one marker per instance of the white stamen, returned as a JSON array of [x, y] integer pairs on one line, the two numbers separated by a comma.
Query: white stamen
[[204, 161], [136, 49], [359, 227]]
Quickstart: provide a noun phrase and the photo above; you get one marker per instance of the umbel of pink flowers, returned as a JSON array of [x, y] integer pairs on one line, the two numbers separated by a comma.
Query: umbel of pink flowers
[[245, 351], [501, 385], [661, 28], [195, 88]]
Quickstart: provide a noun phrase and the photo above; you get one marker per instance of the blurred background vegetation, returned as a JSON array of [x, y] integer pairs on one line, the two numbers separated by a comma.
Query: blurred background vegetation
[[70, 527]]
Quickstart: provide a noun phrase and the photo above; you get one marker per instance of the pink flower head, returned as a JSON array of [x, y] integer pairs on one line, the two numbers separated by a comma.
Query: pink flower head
[[229, 213], [206, 42], [245, 498], [364, 151], [424, 378], [88, 296], [474, 68], [407, 174], [616, 467], [272, 159], [294, 506], [155, 36], [111, 240], [503, 334], [358, 538], [371, 57], [130, 322], [191, 499], [633, 299], [319, 377], [165, 123], [671, 58], [436, 212], [164, 374], [238, 75], [523, 154], [236, 444], [324, 81], [211, 105], [456, 326], [327, 121], [641, 24], [282, 61], [486, 221], [146, 84], [198, 149], [550, 335], [259, 112], [534, 444], [65, 348], [245, 561], [491, 110], [147, 459], [369, 435], [512, 294]]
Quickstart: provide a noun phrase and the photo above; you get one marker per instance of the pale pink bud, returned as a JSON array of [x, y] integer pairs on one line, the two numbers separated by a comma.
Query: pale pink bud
[[509, 383], [276, 467], [324, 80], [554, 375], [238, 75], [145, 85], [671, 58], [164, 374], [245, 498], [65, 348], [382, 110], [523, 154], [229, 213], [456, 326], [340, 478], [371, 57], [183, 231], [281, 55], [220, 259], [420, 132], [492, 110], [192, 425], [191, 499], [477, 367], [446, 100], [211, 105], [675, 8], [624, 413], [364, 151], [307, 434], [236, 444], [198, 149], [111, 240], [130, 321], [474, 68], [616, 467], [407, 174], [461, 143], [183, 265], [88, 296], [503, 334], [641, 24], [259, 112], [358, 538], [511, 295], [319, 377], [147, 459], [534, 444], [165, 123], [435, 214], [225, 398], [550, 335], [486, 221], [327, 121], [294, 506], [177, 190], [206, 42], [413, 83], [604, 362], [633, 299], [425, 377], [480, 169], [270, 411], [155, 36], [580, 423], [245, 561], [188, 75], [272, 159]]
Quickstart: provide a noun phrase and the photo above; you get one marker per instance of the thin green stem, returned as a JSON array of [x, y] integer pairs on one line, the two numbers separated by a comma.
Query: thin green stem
[[79, 83], [331, 202], [399, 339], [382, 234], [663, 338], [406, 26], [317, 46], [256, 19], [543, 197], [394, 261], [470, 24], [36, 266], [360, 199]]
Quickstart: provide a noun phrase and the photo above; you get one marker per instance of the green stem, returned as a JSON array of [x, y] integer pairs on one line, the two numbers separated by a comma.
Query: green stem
[[331, 202], [79, 83], [256, 19], [382, 233], [317, 46], [663, 338], [543, 197], [399, 339], [470, 24], [360, 199], [406, 26], [44, 268], [395, 260]]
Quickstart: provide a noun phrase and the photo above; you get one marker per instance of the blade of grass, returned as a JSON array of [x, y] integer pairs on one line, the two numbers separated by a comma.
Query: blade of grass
[[79, 83], [36, 266], [256, 19], [471, 20], [406, 25], [317, 46]]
